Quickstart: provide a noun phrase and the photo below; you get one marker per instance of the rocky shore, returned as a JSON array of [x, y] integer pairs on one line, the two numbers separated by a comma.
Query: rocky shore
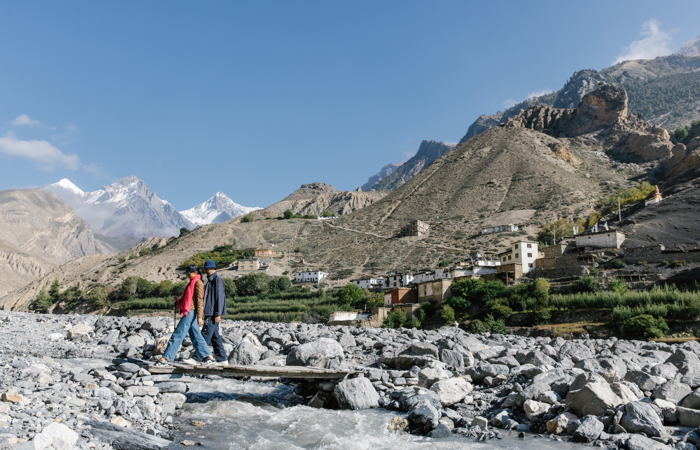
[[76, 382]]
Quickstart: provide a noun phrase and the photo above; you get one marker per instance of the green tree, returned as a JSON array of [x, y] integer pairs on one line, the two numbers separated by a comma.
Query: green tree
[[252, 284], [561, 228], [128, 288], [184, 232], [395, 320], [144, 288], [248, 218], [328, 214], [178, 288], [448, 314], [496, 326], [349, 294], [618, 285], [229, 287], [288, 214], [42, 302], [646, 326], [587, 284], [375, 301], [99, 296], [54, 292], [280, 284], [163, 289], [122, 259], [680, 133]]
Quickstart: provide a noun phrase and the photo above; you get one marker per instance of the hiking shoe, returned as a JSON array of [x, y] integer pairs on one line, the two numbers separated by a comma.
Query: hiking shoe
[[190, 361], [209, 362], [222, 363], [161, 364]]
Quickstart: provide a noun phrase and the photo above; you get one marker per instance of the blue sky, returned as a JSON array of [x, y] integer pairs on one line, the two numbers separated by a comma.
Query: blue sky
[[256, 98]]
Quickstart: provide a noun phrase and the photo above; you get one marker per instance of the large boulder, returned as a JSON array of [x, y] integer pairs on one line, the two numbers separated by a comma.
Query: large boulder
[[60, 435], [686, 361], [672, 391], [534, 409], [575, 351], [356, 393], [594, 399], [688, 417], [559, 424], [316, 354], [639, 442], [79, 330], [244, 354], [643, 380], [589, 430], [452, 358], [154, 324], [452, 390], [424, 417], [423, 348], [692, 401], [640, 417]]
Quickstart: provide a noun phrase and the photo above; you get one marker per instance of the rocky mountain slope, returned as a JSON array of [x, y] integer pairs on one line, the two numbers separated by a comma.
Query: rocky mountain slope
[[126, 207], [217, 209], [428, 152], [664, 90], [40, 232], [315, 198], [379, 176]]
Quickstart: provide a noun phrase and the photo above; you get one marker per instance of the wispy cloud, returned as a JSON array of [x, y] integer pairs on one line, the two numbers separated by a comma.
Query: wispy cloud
[[655, 42], [96, 170], [25, 120], [42, 152], [538, 93]]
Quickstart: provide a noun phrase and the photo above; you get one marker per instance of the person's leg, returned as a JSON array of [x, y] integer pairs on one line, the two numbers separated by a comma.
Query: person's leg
[[218, 343], [200, 347], [178, 336], [207, 329]]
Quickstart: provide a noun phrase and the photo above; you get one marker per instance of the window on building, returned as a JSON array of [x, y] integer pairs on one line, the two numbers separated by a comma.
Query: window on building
[[509, 257], [504, 258], [517, 255], [530, 265], [529, 255], [529, 245]]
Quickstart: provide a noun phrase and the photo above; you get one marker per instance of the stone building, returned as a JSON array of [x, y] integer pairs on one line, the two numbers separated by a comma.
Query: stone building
[[435, 291], [601, 239], [248, 264], [415, 228], [400, 295]]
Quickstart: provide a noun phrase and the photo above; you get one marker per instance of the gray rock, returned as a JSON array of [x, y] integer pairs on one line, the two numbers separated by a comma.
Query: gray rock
[[346, 340], [143, 391], [643, 380], [640, 417], [692, 401], [124, 439], [424, 417], [129, 367], [423, 348], [688, 417], [595, 399], [356, 393], [452, 358], [667, 371], [575, 351], [589, 429], [110, 338], [245, 354], [154, 324], [638, 442], [686, 361], [442, 431], [316, 354], [168, 387], [672, 391]]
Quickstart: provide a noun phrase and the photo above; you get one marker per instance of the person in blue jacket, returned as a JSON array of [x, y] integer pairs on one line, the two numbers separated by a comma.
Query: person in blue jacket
[[214, 308]]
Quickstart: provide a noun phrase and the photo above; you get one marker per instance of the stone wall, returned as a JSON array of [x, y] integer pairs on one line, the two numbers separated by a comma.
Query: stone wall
[[657, 254]]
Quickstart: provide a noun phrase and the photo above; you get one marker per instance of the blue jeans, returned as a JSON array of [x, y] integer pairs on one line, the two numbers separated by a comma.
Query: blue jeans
[[187, 324], [210, 333]]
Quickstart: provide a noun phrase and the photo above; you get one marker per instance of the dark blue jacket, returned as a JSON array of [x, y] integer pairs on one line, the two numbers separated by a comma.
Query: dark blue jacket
[[214, 297]]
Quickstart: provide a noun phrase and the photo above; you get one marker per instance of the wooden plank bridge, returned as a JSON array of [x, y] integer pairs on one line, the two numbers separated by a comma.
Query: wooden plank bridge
[[255, 371]]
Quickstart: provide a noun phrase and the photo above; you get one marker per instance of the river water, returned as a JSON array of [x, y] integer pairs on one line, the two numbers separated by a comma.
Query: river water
[[269, 416]]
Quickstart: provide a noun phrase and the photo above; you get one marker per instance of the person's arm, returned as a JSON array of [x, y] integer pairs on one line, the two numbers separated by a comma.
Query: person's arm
[[220, 301], [199, 301]]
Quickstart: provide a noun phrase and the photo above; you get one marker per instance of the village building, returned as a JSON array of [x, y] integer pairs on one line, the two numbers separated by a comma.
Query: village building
[[415, 228], [523, 253], [369, 282], [399, 296], [398, 280], [500, 229], [347, 318], [310, 276], [654, 198], [434, 291], [249, 264], [601, 239]]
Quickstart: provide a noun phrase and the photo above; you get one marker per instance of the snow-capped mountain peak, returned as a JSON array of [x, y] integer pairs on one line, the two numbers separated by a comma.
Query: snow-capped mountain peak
[[67, 185], [217, 209]]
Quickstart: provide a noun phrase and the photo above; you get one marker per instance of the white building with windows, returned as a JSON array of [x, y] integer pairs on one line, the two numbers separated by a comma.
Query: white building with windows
[[521, 252], [369, 282], [399, 280], [310, 276]]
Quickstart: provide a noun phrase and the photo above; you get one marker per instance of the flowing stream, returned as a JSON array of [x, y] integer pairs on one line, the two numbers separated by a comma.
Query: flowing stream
[[231, 414]]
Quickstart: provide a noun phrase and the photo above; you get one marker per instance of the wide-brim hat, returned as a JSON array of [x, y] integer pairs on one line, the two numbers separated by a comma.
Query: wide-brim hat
[[209, 264]]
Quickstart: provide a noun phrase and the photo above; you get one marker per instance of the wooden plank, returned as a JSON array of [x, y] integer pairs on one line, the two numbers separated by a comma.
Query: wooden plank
[[255, 371]]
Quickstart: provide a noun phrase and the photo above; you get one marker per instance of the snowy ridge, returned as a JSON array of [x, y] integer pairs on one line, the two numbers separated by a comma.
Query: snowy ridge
[[217, 209]]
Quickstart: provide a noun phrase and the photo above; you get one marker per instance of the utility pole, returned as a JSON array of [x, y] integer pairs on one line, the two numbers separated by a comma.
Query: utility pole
[[619, 209]]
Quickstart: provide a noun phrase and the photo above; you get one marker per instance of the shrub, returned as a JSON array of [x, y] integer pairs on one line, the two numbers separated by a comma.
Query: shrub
[[122, 259], [622, 313], [349, 294], [145, 251], [587, 284], [677, 263], [133, 256], [280, 284], [179, 288], [617, 263], [394, 320], [253, 284], [229, 287], [541, 316], [458, 302], [501, 312], [496, 326], [646, 326], [184, 232], [42, 302], [286, 272], [128, 288], [329, 214], [448, 314], [477, 326], [297, 250], [593, 271], [247, 218], [288, 214], [541, 285], [99, 296], [414, 323], [375, 301], [680, 133], [618, 285]]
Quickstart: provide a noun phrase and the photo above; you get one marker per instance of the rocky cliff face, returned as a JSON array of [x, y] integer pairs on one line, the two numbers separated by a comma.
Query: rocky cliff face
[[428, 152], [315, 198], [40, 232], [603, 114], [382, 174], [692, 48]]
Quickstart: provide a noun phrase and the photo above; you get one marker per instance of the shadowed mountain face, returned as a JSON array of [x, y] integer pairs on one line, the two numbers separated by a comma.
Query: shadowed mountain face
[[428, 152], [382, 174], [40, 231]]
